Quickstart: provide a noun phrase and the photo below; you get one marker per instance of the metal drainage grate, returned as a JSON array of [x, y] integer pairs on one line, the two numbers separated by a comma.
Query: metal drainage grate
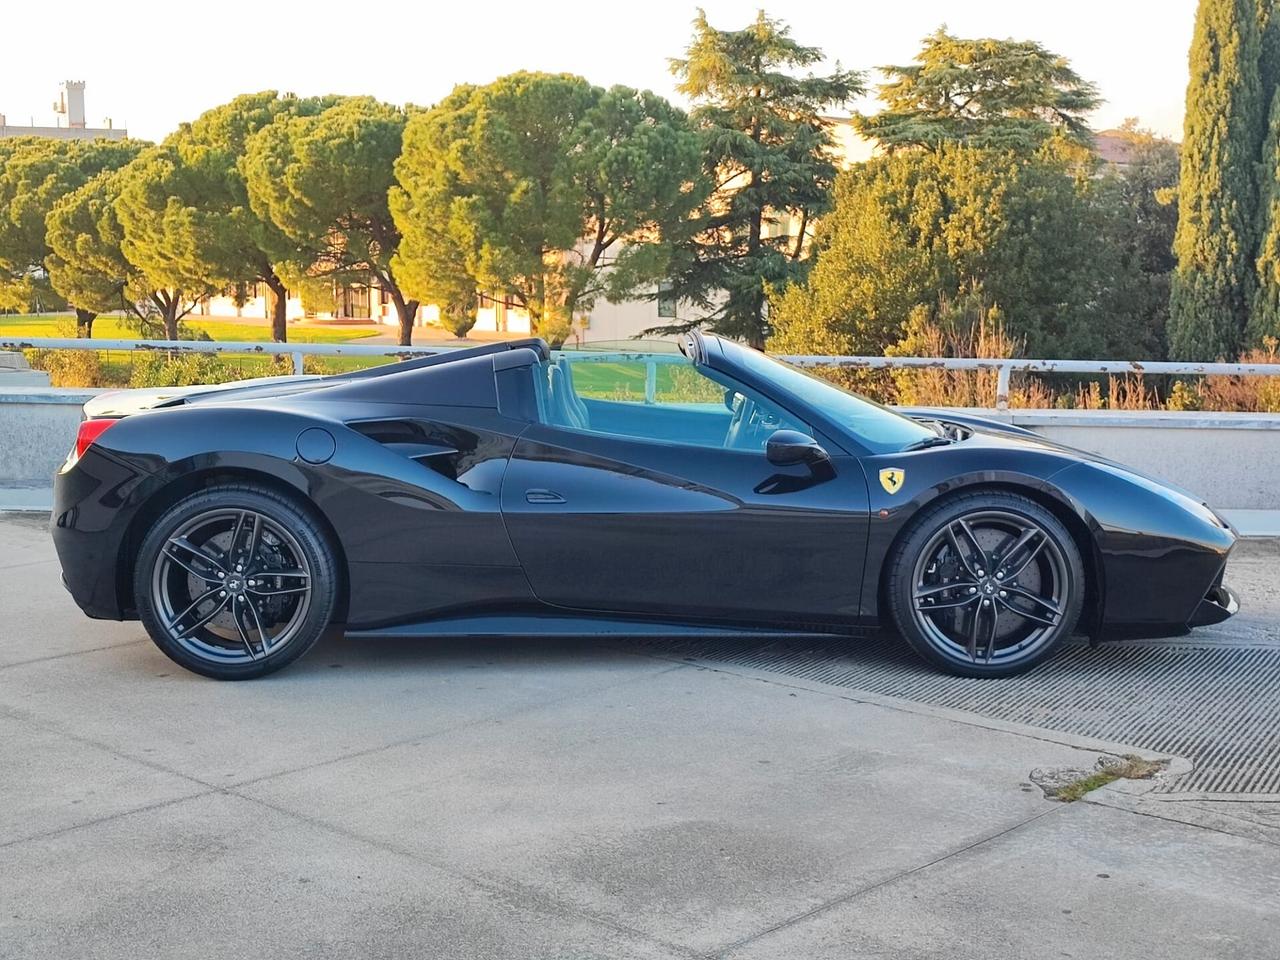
[[1218, 706]]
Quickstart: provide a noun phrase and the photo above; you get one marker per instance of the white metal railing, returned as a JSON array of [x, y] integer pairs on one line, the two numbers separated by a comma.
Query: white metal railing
[[1004, 368]]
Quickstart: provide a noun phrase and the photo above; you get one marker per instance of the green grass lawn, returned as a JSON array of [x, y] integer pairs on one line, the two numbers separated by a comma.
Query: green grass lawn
[[624, 380], [116, 366], [113, 328]]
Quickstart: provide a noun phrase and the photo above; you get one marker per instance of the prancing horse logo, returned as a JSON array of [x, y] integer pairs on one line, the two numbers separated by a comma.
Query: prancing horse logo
[[891, 479]]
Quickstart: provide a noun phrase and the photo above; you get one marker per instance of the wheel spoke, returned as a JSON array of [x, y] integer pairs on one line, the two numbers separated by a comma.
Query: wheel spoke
[[1029, 534], [255, 539], [1035, 598], [960, 553], [934, 590], [295, 574], [1025, 613], [275, 591], [236, 531], [991, 637], [218, 608], [207, 595], [261, 589], [244, 634], [192, 627], [1011, 573], [182, 543], [257, 622], [971, 537], [974, 627], [944, 605]]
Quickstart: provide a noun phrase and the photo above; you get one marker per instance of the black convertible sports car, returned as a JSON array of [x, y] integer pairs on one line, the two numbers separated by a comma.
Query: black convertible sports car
[[507, 490]]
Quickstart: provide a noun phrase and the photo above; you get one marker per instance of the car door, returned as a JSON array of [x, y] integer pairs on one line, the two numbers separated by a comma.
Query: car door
[[630, 503]]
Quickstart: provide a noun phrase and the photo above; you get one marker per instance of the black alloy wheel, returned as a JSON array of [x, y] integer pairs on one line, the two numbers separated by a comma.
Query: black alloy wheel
[[986, 584], [235, 582]]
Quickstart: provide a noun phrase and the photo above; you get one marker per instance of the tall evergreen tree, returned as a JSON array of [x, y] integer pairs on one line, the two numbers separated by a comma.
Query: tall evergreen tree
[[1264, 321], [1269, 28], [768, 151], [1004, 94], [1213, 287]]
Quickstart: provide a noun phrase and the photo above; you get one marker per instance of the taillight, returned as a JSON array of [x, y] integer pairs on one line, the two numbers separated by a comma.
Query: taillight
[[90, 430]]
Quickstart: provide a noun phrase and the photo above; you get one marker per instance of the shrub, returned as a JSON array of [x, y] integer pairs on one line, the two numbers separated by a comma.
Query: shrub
[[282, 366], [156, 369], [68, 368]]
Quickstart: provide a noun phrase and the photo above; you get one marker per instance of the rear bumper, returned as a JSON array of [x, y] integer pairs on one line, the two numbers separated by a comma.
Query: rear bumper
[[91, 513], [1219, 604]]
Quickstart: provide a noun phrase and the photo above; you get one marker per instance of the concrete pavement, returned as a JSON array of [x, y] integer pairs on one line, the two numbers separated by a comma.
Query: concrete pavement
[[558, 799]]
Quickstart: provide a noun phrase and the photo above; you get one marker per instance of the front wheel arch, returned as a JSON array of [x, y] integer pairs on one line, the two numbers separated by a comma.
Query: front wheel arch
[[1056, 503]]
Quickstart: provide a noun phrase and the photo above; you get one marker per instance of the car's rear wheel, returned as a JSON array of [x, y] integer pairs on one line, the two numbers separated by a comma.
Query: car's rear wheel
[[986, 584], [235, 582]]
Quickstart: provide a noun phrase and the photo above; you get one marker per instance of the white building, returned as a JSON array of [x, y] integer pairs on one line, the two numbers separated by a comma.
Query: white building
[[70, 104]]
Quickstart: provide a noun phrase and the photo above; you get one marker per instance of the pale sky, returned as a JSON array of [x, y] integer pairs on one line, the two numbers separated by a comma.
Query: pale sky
[[149, 65]]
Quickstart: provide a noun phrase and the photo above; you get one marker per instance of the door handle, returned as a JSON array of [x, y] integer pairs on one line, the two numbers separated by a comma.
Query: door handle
[[543, 496]]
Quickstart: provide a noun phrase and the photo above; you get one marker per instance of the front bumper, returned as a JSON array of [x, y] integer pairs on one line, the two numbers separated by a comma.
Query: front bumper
[[1219, 604]]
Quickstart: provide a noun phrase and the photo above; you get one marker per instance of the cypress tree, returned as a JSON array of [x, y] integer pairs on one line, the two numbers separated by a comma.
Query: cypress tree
[[1269, 31], [1264, 321], [1216, 243]]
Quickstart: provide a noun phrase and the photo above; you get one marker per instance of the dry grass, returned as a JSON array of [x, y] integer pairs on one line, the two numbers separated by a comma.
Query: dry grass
[[982, 337], [930, 387]]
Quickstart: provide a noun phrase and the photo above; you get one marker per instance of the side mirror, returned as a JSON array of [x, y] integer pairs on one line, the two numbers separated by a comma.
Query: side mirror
[[786, 448]]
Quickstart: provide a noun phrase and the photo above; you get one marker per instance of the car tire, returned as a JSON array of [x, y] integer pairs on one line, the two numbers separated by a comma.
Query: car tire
[[236, 581], [985, 584]]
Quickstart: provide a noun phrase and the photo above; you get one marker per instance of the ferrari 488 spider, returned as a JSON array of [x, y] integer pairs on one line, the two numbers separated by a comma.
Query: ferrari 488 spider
[[511, 490]]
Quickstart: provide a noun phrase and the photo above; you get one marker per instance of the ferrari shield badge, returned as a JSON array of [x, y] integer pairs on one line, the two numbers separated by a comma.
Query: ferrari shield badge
[[891, 479]]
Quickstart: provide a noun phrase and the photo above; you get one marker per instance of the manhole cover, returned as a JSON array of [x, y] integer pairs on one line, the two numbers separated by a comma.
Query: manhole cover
[[1218, 706]]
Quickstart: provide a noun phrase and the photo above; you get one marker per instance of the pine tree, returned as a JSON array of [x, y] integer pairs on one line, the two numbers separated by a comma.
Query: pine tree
[[1001, 94], [1214, 284], [768, 149]]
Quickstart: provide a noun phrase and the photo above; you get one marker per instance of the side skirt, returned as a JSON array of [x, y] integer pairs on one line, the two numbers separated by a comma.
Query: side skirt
[[553, 625]]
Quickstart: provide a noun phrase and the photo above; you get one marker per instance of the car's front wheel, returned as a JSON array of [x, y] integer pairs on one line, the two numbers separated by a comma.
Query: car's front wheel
[[986, 584], [235, 582]]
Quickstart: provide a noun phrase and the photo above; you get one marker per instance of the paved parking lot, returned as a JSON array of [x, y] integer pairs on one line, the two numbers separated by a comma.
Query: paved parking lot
[[564, 799]]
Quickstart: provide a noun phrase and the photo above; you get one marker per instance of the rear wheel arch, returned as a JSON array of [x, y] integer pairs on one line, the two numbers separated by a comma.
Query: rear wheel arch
[[184, 485]]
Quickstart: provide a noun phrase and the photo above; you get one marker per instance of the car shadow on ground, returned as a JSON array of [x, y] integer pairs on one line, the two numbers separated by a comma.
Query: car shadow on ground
[[335, 651]]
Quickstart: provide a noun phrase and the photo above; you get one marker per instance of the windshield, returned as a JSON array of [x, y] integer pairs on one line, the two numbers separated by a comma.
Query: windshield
[[877, 428]]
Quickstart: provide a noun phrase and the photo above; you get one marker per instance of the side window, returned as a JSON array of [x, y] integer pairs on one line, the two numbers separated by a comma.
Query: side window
[[660, 398]]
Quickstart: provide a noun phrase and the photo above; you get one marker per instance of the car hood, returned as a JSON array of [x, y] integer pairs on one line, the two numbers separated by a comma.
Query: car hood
[[1007, 435]]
